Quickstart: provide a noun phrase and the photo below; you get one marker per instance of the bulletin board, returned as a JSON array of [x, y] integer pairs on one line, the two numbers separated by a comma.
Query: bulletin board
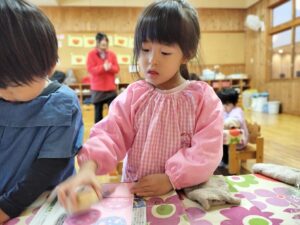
[[73, 49]]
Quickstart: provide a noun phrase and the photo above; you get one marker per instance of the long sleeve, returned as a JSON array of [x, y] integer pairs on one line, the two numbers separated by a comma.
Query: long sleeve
[[195, 164], [114, 64], [41, 176], [92, 66], [112, 137]]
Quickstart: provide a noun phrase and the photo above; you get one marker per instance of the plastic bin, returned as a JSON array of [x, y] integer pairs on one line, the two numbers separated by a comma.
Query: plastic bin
[[246, 98], [259, 102], [273, 107]]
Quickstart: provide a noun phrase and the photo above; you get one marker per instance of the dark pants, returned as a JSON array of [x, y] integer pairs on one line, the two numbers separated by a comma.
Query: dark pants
[[225, 154], [99, 108]]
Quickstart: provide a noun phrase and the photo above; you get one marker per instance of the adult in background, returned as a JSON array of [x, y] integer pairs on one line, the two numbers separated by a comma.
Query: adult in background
[[102, 66]]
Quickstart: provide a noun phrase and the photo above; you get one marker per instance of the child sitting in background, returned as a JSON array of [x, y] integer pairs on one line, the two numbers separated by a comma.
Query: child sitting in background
[[40, 120], [233, 118], [168, 129]]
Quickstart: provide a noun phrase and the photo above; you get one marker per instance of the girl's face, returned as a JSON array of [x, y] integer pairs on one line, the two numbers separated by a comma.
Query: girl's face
[[159, 64], [102, 45], [228, 107], [23, 93]]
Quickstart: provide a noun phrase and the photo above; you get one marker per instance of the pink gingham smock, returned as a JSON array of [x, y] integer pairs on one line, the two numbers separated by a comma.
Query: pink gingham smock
[[178, 132]]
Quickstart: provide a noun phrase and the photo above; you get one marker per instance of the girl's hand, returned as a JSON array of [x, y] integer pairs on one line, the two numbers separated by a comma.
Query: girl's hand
[[152, 185], [107, 65], [67, 192]]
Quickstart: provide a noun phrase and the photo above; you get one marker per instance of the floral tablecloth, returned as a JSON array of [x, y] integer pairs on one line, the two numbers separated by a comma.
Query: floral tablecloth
[[264, 202]]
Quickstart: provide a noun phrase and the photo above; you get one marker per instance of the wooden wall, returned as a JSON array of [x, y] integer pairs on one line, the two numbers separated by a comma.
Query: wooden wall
[[92, 20], [222, 29], [257, 62], [86, 19]]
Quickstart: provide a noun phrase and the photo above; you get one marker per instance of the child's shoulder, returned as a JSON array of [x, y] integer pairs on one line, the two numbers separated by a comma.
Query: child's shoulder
[[58, 92], [199, 85], [63, 97], [237, 109], [140, 85], [66, 92]]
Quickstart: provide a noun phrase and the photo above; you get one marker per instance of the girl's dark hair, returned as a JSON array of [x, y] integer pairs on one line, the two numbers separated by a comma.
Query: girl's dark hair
[[228, 95], [100, 36], [27, 41], [194, 76], [169, 22]]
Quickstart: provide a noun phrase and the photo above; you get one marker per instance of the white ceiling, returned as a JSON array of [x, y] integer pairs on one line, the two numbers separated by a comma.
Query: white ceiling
[[236, 4]]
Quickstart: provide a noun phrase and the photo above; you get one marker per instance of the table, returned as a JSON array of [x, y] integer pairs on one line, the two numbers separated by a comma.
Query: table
[[264, 201]]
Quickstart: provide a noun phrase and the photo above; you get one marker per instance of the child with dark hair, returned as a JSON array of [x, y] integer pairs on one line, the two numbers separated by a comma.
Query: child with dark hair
[[194, 76], [233, 118], [168, 128], [40, 120]]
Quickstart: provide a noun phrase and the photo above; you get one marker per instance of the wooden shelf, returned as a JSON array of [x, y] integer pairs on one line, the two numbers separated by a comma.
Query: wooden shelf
[[83, 90], [240, 84]]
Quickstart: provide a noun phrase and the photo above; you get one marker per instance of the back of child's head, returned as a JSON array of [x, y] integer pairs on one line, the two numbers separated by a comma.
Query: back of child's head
[[169, 22], [194, 76], [228, 95], [100, 36], [27, 41]]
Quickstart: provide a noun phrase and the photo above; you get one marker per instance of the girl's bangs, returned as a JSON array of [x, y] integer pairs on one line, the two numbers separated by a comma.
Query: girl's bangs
[[161, 28]]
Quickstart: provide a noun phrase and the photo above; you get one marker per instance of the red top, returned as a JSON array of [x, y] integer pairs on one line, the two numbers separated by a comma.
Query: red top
[[102, 80]]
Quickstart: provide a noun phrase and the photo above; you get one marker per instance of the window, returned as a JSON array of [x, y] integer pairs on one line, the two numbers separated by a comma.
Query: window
[[281, 57], [282, 13], [297, 8], [297, 53], [285, 40]]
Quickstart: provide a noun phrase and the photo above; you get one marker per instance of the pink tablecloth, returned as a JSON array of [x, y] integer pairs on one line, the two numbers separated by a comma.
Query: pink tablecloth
[[264, 201]]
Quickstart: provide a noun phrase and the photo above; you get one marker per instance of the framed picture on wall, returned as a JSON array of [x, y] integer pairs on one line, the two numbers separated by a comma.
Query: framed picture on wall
[[77, 60], [75, 41], [89, 41]]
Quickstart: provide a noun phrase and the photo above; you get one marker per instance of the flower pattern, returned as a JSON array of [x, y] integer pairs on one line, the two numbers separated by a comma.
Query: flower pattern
[[195, 216], [164, 212], [252, 198], [242, 180], [89, 217], [240, 215], [280, 196]]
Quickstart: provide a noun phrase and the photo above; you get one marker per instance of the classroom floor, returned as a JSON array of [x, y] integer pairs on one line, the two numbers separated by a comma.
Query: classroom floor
[[280, 132]]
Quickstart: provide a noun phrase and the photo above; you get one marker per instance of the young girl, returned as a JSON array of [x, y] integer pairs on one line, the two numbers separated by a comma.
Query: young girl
[[233, 118], [40, 121], [168, 129]]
